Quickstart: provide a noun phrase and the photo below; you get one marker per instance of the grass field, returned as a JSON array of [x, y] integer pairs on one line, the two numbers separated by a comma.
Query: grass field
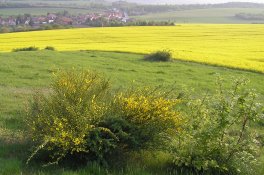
[[41, 11], [22, 73], [210, 15], [236, 46], [68, 2]]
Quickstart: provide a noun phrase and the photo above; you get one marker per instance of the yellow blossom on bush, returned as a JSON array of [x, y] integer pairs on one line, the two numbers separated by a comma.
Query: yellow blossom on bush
[[148, 109]]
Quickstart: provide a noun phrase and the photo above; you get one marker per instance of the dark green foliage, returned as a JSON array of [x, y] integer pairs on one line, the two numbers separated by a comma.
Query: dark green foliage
[[50, 48], [163, 56], [124, 130], [31, 48], [149, 23]]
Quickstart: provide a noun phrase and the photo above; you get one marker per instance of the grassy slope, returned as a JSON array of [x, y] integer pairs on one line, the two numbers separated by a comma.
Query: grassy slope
[[24, 72], [40, 11], [239, 46], [211, 15]]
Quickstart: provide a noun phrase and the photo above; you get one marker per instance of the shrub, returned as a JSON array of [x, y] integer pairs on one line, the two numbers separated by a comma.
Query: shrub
[[31, 48], [216, 135], [83, 117], [5, 29], [50, 48], [63, 122], [141, 118], [163, 55]]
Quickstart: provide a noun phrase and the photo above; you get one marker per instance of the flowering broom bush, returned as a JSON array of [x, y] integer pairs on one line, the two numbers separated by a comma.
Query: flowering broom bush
[[83, 117], [147, 117], [62, 122]]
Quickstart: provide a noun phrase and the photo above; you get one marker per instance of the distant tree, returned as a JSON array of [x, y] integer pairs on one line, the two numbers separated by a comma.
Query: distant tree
[[66, 13], [31, 23], [27, 15], [4, 29]]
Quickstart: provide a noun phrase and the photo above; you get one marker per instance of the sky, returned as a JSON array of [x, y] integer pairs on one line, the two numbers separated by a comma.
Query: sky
[[192, 1]]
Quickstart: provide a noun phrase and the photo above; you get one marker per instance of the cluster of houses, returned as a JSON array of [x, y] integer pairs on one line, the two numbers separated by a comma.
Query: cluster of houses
[[64, 18]]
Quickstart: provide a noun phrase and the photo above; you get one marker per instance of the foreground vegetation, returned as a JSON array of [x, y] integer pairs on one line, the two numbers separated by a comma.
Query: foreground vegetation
[[26, 72], [236, 46], [83, 119]]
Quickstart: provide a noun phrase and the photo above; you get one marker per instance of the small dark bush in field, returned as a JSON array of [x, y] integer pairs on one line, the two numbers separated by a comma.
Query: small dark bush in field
[[217, 136], [82, 116], [163, 55], [49, 48], [31, 48]]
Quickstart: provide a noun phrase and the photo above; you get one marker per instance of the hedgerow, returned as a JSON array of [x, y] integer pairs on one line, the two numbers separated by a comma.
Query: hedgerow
[[31, 48]]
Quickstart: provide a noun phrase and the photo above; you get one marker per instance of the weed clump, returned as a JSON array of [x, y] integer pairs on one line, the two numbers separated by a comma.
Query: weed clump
[[162, 56]]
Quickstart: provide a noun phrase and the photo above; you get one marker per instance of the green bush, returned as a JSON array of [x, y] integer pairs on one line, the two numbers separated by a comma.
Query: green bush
[[216, 136], [140, 118], [31, 48], [82, 117], [163, 55], [4, 29], [63, 122], [49, 48]]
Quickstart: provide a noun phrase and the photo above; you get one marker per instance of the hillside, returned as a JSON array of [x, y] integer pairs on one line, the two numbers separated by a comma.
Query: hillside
[[207, 15], [225, 13], [24, 73]]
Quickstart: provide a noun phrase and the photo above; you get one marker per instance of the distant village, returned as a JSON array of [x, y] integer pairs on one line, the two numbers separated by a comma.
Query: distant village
[[65, 18]]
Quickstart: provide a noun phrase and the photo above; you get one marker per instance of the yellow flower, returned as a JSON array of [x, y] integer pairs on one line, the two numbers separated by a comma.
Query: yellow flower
[[77, 141]]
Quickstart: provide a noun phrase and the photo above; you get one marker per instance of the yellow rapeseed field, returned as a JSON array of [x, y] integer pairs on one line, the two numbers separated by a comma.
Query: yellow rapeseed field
[[238, 46]]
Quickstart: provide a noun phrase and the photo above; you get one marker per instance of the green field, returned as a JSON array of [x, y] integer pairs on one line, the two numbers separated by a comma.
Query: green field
[[54, 2], [23, 73], [210, 15], [42, 11]]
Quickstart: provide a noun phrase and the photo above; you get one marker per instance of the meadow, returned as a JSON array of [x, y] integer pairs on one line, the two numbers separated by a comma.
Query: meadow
[[234, 46], [210, 15], [23, 73], [41, 11]]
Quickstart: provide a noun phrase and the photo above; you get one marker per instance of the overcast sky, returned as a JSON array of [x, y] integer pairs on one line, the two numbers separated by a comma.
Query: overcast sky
[[192, 1]]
